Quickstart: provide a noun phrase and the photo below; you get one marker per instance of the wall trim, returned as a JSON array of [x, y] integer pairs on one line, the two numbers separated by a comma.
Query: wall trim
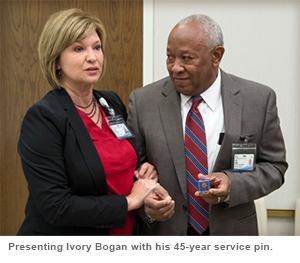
[[148, 40]]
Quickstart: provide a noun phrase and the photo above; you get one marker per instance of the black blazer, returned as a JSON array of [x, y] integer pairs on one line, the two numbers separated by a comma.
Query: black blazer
[[66, 179]]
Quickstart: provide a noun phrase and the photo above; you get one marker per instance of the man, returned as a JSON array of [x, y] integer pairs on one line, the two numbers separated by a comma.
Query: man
[[240, 119]]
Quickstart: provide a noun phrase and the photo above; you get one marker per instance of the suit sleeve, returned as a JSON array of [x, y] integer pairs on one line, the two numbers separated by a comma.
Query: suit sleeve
[[51, 186], [133, 123], [270, 161]]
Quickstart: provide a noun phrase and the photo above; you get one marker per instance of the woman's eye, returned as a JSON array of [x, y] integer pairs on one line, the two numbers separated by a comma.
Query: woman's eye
[[98, 47], [78, 49]]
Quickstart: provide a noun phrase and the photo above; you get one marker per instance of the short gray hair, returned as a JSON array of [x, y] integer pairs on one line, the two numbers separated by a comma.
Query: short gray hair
[[212, 30]]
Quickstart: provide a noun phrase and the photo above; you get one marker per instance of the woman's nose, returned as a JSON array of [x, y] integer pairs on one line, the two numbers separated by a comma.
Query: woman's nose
[[90, 56]]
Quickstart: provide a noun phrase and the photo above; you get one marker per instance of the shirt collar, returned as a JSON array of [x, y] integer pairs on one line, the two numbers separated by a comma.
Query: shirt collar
[[211, 96]]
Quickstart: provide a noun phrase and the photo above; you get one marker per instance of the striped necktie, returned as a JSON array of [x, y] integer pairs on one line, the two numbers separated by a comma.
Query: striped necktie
[[196, 162]]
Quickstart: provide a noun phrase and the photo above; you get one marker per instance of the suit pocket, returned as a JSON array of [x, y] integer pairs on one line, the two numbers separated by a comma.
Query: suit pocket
[[248, 137], [246, 224], [245, 217]]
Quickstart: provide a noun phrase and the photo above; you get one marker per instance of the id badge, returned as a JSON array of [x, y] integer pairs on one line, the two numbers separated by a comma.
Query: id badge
[[116, 122], [243, 157], [119, 127]]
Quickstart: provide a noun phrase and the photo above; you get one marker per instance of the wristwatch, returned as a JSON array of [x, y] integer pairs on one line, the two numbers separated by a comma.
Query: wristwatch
[[149, 219]]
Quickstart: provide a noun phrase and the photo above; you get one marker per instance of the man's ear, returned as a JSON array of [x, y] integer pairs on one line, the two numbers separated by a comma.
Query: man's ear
[[217, 55]]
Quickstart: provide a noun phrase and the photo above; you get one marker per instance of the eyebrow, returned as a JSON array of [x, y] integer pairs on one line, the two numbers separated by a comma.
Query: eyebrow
[[182, 51], [80, 42], [185, 51]]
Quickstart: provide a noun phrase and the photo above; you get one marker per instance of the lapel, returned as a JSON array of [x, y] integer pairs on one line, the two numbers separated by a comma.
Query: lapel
[[170, 114], [86, 145], [232, 105]]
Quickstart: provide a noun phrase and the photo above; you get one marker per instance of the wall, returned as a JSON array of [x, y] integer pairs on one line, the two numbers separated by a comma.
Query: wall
[[262, 44], [22, 83]]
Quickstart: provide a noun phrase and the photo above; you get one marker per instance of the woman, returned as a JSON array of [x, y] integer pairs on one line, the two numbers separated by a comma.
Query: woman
[[79, 174]]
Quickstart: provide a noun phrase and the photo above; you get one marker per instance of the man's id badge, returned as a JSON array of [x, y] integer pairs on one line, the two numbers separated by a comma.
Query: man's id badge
[[243, 157], [119, 127]]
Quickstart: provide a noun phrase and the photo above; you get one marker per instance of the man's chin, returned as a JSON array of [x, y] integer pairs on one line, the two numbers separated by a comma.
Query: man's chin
[[185, 90]]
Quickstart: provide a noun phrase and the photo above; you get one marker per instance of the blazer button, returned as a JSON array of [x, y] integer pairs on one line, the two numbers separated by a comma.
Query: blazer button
[[184, 208]]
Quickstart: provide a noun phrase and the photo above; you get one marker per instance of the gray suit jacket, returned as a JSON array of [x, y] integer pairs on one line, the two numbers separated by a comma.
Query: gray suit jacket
[[249, 109]]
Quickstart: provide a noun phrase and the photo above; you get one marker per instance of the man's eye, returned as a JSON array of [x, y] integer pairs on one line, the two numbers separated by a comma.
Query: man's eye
[[170, 57], [186, 58]]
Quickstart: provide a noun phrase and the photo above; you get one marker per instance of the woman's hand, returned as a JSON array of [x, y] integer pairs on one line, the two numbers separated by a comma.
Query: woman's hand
[[138, 193], [146, 171]]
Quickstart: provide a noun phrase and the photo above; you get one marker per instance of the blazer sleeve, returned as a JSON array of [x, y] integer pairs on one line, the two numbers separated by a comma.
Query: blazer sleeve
[[270, 160], [52, 186]]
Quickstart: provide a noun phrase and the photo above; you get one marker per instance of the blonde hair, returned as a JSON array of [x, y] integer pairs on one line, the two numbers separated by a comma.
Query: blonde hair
[[62, 29]]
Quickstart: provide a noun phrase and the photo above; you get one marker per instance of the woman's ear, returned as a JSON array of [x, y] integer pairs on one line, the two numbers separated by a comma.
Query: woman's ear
[[58, 67]]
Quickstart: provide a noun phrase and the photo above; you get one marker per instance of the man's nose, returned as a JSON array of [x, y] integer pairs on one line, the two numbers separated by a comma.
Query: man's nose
[[177, 67]]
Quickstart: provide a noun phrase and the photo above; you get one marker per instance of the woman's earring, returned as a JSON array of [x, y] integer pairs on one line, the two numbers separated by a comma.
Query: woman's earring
[[58, 72]]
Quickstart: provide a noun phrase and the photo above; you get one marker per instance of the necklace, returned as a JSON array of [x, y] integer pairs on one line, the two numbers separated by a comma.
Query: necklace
[[92, 113], [98, 115], [85, 107]]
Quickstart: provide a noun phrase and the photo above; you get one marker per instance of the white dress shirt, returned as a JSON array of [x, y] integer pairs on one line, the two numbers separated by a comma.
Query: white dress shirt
[[211, 109]]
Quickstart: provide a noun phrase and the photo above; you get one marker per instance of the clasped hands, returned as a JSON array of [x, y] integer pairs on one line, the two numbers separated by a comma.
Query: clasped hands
[[159, 205]]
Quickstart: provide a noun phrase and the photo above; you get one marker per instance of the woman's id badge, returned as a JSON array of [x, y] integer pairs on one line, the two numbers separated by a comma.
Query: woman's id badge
[[243, 157], [119, 127], [116, 122]]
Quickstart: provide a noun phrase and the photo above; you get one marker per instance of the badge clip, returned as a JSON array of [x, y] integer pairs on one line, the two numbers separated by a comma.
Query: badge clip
[[104, 103]]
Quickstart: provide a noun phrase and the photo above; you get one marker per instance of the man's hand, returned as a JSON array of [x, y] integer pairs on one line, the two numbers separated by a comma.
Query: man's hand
[[221, 189], [146, 171], [158, 204]]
